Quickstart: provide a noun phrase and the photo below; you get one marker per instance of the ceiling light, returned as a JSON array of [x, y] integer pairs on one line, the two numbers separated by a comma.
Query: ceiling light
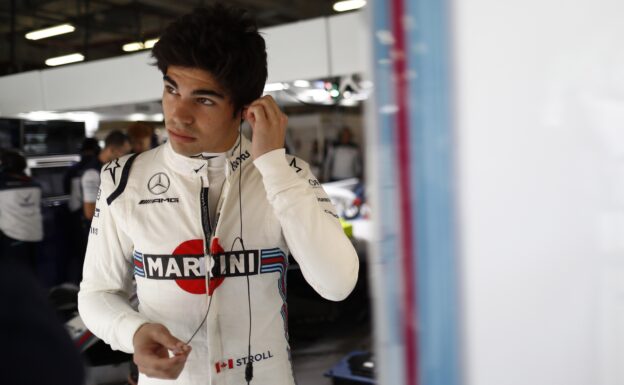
[[348, 5], [150, 43], [60, 60], [52, 31], [302, 83], [131, 47], [137, 45], [273, 87]]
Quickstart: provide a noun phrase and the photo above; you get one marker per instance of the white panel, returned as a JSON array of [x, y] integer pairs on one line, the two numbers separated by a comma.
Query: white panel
[[348, 44], [540, 85], [126, 79], [21, 92], [297, 51]]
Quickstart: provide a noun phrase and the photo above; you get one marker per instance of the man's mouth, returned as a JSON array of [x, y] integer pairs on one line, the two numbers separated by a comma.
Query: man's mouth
[[180, 137]]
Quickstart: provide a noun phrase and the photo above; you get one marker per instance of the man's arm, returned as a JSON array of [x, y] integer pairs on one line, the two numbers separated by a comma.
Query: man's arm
[[90, 184], [88, 208], [107, 278], [309, 223], [106, 287]]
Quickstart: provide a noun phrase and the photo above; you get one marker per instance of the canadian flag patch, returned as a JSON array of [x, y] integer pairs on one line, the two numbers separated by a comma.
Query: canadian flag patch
[[229, 364]]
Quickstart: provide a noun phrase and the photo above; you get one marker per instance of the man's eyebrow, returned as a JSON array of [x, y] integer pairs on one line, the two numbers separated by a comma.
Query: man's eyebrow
[[200, 92], [169, 80]]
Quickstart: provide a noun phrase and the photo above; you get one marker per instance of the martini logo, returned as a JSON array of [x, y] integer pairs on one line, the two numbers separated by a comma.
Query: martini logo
[[187, 265], [235, 263]]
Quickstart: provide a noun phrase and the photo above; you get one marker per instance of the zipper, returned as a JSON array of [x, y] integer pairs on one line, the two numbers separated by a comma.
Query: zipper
[[205, 217]]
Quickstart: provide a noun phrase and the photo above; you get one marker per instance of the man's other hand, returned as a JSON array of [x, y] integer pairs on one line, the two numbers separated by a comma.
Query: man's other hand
[[268, 124], [152, 344]]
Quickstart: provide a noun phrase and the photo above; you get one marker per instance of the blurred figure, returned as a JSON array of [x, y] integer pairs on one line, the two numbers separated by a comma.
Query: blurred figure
[[116, 145], [89, 150], [140, 135], [343, 158], [21, 223], [316, 161], [36, 348]]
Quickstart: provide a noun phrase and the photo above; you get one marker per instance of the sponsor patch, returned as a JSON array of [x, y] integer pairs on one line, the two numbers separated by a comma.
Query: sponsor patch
[[187, 266], [239, 160], [231, 363], [293, 164], [158, 200], [112, 167], [159, 183]]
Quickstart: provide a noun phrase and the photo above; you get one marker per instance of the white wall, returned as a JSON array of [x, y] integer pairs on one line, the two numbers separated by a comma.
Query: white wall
[[309, 49], [540, 130]]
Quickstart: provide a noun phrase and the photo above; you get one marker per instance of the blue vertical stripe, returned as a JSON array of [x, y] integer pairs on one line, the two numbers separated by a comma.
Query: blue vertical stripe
[[432, 184]]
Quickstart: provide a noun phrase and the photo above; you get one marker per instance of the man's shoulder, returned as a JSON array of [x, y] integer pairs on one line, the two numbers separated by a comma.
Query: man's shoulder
[[117, 174], [300, 166]]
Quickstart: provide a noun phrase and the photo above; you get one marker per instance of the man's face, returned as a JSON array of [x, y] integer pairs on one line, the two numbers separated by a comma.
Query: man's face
[[140, 144], [118, 152], [198, 113]]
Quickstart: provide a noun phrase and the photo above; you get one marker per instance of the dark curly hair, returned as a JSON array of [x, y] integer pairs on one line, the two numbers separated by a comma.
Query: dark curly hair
[[222, 40]]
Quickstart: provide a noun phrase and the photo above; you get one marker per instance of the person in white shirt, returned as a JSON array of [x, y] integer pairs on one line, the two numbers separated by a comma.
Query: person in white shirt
[[21, 222], [116, 144], [205, 222], [343, 158]]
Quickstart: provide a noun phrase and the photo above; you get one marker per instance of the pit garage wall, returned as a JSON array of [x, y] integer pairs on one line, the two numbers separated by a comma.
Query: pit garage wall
[[540, 144], [411, 182], [535, 192]]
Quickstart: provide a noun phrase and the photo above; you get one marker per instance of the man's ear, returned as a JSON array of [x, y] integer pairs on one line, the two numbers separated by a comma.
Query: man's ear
[[244, 112]]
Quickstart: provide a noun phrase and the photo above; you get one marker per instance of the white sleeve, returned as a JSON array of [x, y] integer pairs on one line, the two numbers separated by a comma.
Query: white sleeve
[[103, 300], [90, 183], [310, 225]]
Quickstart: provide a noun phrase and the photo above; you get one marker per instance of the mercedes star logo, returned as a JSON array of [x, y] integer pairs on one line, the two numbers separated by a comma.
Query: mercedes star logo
[[158, 183]]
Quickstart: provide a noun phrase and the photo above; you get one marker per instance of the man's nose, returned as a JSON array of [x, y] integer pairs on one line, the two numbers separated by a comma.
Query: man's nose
[[181, 113]]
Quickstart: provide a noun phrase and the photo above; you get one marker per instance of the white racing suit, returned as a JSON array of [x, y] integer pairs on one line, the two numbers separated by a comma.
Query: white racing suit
[[151, 221]]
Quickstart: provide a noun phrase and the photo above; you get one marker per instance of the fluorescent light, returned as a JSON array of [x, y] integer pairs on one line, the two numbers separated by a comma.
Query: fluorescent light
[[302, 83], [273, 87], [52, 31], [60, 60], [137, 45], [348, 5], [150, 43], [131, 47]]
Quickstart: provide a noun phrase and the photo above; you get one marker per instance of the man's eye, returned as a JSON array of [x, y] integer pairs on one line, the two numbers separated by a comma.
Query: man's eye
[[205, 101], [171, 90]]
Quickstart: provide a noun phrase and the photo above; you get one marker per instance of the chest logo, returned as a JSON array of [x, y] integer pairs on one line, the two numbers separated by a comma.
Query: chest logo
[[158, 183], [112, 167]]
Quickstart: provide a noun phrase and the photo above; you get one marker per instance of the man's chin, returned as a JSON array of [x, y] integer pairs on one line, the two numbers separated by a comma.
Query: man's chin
[[183, 149]]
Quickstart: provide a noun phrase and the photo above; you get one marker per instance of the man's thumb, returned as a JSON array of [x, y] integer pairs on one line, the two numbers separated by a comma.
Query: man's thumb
[[165, 338]]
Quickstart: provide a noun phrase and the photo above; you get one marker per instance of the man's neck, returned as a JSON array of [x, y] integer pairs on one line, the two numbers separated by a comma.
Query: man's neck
[[105, 156]]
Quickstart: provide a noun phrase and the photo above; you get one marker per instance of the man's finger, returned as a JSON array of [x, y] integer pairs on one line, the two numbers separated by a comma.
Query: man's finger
[[271, 108], [163, 367], [164, 337], [256, 110]]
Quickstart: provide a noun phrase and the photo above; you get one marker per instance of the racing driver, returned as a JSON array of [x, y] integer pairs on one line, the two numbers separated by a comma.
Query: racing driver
[[205, 222]]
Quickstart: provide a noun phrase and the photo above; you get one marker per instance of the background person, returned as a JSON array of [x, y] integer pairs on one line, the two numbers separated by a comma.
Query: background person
[[21, 223], [344, 159], [77, 247], [116, 145], [140, 135]]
